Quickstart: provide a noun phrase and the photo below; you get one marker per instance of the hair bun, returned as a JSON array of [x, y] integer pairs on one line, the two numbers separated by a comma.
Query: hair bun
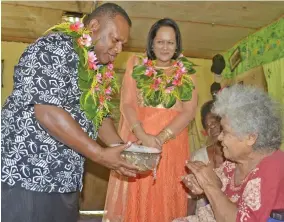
[[218, 64]]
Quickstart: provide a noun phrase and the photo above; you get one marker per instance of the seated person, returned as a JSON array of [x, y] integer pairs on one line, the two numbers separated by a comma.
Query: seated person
[[250, 183], [212, 152]]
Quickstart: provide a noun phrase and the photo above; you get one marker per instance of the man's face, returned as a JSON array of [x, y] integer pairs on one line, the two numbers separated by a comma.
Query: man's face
[[109, 36]]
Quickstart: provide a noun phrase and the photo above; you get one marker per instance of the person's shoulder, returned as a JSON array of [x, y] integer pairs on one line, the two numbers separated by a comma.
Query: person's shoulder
[[58, 44], [133, 60], [52, 41], [55, 37], [273, 164], [277, 157], [280, 154]]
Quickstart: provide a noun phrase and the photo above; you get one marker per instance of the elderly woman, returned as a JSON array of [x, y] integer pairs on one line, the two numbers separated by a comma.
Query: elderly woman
[[251, 182], [212, 152]]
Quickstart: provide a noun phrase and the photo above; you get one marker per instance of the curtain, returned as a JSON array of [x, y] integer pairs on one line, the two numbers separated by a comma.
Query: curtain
[[204, 79], [274, 74]]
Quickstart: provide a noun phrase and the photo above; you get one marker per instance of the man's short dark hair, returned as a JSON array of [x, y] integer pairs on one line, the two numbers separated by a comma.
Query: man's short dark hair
[[110, 10]]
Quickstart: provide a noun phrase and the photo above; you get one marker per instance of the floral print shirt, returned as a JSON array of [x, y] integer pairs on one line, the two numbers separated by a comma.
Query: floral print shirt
[[47, 73]]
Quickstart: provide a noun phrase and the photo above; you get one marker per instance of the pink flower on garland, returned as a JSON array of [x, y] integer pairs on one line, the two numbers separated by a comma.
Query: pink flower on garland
[[183, 70], [150, 71], [169, 89], [108, 91], [108, 98], [110, 66], [178, 74], [95, 89], [156, 84], [109, 75], [99, 78], [85, 40], [76, 26], [92, 61], [147, 62], [177, 82], [180, 64]]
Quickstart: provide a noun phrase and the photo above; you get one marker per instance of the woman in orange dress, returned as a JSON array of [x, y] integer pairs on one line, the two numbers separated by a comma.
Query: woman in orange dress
[[158, 101]]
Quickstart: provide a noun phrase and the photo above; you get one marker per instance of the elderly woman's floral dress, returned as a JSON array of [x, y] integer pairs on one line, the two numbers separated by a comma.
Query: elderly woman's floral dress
[[260, 192]]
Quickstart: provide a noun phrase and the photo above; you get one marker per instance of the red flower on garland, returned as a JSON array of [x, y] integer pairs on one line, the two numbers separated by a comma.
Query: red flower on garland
[[156, 84], [76, 26]]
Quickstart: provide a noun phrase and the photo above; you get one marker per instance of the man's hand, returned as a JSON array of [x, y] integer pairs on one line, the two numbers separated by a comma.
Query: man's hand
[[111, 158]]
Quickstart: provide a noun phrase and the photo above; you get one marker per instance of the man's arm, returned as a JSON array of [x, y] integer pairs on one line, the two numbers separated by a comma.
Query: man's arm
[[59, 124], [108, 133]]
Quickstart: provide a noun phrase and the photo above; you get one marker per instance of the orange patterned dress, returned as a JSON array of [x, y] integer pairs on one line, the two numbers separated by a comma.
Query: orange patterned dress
[[144, 199]]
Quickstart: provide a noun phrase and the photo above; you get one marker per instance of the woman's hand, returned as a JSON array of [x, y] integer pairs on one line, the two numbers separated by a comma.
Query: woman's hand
[[204, 174], [151, 141], [191, 183], [146, 139]]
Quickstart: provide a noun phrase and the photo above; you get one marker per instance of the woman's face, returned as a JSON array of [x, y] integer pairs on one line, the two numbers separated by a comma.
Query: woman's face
[[212, 126], [234, 148], [164, 44]]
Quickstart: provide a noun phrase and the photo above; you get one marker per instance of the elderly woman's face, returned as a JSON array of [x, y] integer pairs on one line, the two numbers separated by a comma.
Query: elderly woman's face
[[234, 148], [212, 126]]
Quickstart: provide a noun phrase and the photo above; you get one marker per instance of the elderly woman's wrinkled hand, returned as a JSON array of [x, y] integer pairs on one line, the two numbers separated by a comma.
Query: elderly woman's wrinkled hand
[[204, 174], [191, 183]]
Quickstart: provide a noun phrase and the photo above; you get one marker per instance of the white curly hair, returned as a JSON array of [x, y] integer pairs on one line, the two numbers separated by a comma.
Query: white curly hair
[[250, 110]]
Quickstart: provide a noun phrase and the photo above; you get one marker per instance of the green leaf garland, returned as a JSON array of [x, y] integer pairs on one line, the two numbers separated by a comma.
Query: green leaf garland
[[96, 82], [159, 88]]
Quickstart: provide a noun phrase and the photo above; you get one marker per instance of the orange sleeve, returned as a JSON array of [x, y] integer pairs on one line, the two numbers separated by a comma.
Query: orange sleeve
[[128, 101], [128, 88]]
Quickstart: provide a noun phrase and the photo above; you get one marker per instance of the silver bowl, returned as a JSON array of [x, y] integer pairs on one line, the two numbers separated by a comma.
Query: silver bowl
[[145, 158], [144, 161]]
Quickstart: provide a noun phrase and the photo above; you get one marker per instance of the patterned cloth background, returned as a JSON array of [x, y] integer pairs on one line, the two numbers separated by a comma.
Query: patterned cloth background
[[262, 47]]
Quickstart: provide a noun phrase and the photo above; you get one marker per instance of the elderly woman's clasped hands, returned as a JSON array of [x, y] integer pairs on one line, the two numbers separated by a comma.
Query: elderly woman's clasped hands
[[202, 176]]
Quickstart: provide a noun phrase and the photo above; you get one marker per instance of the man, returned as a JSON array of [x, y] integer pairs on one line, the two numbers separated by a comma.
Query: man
[[45, 135]]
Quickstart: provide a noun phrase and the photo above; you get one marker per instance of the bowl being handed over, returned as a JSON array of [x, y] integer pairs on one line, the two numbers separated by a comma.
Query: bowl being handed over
[[145, 158]]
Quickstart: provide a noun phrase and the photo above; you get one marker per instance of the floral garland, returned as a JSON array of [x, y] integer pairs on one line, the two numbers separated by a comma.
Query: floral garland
[[159, 88], [96, 82]]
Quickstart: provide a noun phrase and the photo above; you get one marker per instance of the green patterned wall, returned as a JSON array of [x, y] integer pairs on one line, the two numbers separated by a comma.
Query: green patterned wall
[[262, 47]]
